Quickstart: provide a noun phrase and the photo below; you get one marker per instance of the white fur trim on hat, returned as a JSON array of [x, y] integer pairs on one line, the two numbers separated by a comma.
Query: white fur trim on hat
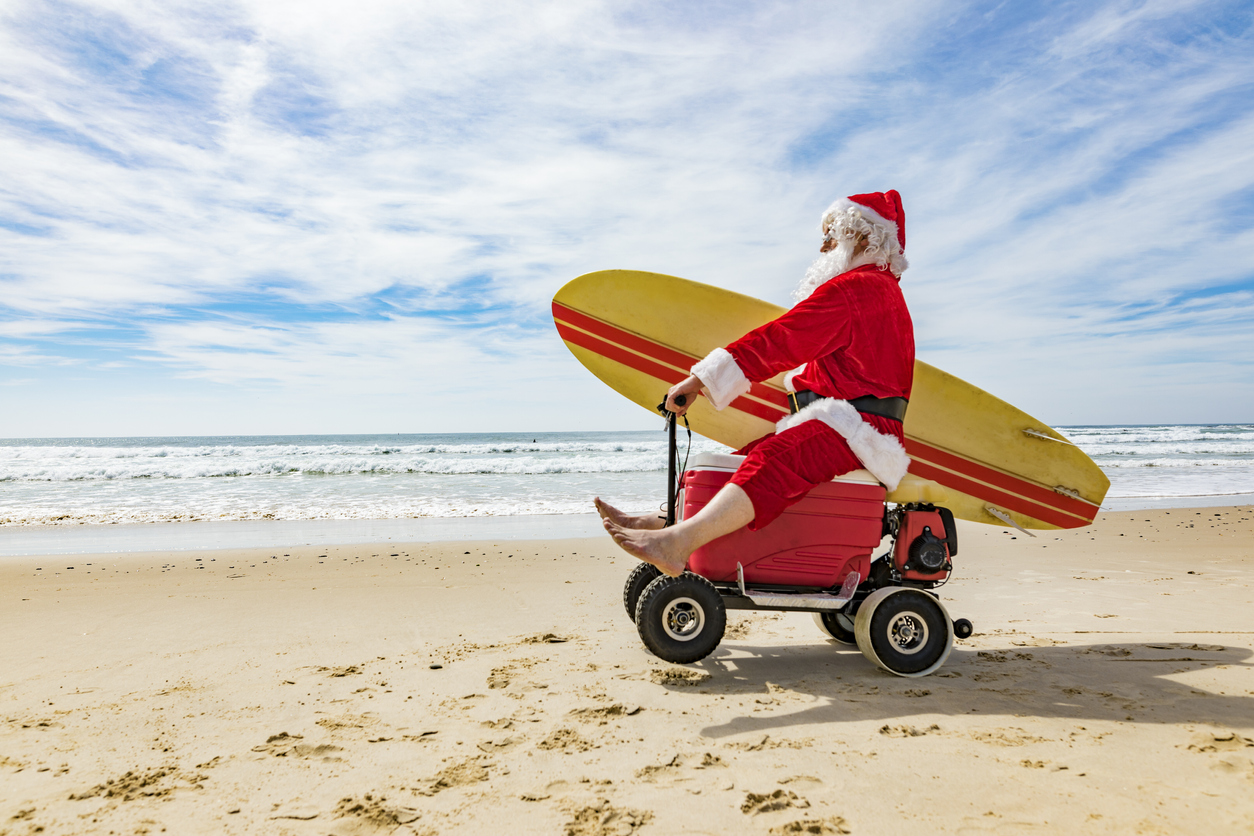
[[881, 454], [841, 204], [723, 379]]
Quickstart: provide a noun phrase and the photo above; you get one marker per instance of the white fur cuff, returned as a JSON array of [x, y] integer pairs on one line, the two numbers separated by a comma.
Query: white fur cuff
[[790, 375], [881, 454], [723, 379]]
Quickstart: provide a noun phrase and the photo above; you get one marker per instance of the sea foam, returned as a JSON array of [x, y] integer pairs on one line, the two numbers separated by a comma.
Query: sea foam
[[102, 480]]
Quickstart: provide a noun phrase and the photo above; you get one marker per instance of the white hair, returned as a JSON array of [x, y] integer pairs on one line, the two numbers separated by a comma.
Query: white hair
[[847, 227]]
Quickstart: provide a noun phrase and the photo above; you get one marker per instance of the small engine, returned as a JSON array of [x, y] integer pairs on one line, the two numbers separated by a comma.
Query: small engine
[[926, 542]]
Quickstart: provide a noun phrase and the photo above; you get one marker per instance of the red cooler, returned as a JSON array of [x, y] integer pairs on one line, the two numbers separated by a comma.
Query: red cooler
[[814, 543]]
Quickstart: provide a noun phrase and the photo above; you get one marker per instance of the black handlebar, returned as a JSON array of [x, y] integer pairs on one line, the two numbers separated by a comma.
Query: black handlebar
[[680, 400]]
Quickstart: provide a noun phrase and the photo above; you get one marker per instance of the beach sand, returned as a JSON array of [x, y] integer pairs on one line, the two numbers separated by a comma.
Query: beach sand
[[498, 687]]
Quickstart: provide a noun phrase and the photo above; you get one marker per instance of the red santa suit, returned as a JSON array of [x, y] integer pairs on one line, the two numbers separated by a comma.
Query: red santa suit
[[851, 337]]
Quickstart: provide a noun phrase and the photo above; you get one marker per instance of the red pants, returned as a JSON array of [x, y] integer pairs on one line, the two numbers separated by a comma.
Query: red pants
[[780, 469]]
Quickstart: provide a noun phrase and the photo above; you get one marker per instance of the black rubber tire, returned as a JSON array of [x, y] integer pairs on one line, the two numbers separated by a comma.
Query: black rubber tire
[[927, 639], [681, 619], [963, 629], [640, 577], [830, 624]]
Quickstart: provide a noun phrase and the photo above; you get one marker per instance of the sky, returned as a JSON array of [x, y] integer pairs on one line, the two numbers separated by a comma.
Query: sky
[[222, 218]]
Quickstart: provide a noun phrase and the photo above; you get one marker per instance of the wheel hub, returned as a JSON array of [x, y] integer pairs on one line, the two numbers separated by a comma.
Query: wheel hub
[[907, 632], [683, 619]]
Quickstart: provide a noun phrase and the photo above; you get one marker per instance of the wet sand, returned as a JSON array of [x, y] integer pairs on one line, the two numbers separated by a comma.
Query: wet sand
[[498, 687]]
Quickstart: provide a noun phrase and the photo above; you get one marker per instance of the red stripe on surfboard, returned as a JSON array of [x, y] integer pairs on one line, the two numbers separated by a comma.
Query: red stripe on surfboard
[[1005, 481], [1004, 501], [659, 352], [619, 355], [649, 367], [624, 338]]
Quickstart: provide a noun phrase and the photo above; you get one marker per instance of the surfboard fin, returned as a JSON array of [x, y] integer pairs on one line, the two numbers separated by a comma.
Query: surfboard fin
[[1007, 519]]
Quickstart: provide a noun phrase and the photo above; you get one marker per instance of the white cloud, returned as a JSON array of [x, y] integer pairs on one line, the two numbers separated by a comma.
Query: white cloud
[[471, 156]]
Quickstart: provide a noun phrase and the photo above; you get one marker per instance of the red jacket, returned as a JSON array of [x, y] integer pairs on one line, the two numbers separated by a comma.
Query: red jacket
[[855, 337], [853, 332]]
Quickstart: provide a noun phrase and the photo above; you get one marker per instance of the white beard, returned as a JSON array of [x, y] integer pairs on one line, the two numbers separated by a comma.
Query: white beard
[[832, 263]]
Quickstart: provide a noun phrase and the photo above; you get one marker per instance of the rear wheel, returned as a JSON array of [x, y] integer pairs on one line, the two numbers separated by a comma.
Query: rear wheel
[[905, 631], [640, 577], [681, 619], [837, 626]]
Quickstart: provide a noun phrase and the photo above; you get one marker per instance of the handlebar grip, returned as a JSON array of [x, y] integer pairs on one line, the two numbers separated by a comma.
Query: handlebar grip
[[680, 400]]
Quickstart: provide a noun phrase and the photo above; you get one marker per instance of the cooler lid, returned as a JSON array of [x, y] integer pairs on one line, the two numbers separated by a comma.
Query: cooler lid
[[715, 461], [729, 462]]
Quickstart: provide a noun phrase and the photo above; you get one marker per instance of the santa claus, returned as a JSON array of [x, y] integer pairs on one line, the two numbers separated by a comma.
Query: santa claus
[[849, 344]]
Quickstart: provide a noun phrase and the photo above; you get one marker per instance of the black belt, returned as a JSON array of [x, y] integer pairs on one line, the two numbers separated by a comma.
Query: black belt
[[894, 408]]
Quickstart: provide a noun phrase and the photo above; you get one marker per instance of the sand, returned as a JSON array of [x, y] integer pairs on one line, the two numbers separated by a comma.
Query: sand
[[498, 687]]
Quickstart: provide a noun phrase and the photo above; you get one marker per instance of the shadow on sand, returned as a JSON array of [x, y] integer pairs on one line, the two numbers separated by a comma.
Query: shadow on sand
[[1115, 682]]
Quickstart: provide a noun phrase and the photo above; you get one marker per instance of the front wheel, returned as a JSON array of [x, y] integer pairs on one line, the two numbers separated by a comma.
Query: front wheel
[[681, 619], [905, 631], [640, 577]]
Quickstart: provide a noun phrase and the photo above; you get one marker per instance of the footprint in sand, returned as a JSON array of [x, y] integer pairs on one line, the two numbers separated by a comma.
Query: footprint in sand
[[1109, 650], [284, 745], [832, 826], [345, 670], [706, 760], [461, 774], [767, 742], [907, 731], [500, 744], [346, 722], [566, 741], [604, 819], [509, 674], [601, 714], [678, 676], [1219, 742], [546, 638], [371, 814], [758, 803], [1006, 737], [156, 783], [297, 809], [500, 677]]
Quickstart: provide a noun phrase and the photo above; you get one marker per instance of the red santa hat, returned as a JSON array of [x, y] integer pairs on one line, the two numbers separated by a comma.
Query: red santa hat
[[883, 208]]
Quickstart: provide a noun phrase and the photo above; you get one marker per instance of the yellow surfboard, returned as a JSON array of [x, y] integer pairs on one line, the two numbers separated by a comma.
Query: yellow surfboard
[[971, 452]]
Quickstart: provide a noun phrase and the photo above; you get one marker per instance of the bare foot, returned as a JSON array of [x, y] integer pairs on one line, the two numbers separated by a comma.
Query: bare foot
[[661, 548], [650, 522]]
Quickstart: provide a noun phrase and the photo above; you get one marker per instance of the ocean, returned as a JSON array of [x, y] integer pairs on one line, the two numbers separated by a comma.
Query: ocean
[[77, 481]]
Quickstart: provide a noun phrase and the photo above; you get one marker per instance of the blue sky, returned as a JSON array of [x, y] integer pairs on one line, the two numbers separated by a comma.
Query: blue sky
[[314, 217]]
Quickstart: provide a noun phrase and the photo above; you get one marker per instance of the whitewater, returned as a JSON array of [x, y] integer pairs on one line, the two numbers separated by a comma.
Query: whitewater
[[379, 477]]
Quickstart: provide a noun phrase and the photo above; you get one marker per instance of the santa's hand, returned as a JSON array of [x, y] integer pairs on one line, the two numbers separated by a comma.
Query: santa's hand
[[682, 394]]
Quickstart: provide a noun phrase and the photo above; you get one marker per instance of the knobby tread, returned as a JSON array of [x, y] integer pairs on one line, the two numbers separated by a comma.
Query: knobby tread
[[652, 604]]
